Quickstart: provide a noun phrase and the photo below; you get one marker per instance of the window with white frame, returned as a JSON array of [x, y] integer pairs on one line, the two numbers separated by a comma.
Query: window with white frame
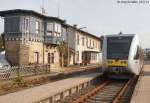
[[50, 28], [78, 42], [93, 43], [90, 42], [26, 25], [97, 44], [57, 29], [83, 41], [36, 57], [37, 27], [51, 58], [77, 53], [87, 41]]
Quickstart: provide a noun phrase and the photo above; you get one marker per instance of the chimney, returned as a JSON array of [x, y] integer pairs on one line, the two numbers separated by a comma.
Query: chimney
[[75, 25]]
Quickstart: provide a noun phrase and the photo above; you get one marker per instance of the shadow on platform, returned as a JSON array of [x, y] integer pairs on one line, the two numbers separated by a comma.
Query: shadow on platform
[[146, 73], [147, 62]]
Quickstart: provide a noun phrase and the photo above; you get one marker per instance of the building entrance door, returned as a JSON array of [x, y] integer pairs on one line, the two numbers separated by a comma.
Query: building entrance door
[[49, 58], [86, 57]]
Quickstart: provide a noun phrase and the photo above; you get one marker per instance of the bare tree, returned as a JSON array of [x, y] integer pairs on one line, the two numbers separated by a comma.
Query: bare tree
[[2, 42], [148, 55], [63, 51]]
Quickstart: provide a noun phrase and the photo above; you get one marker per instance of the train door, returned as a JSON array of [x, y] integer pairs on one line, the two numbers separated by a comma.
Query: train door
[[137, 60]]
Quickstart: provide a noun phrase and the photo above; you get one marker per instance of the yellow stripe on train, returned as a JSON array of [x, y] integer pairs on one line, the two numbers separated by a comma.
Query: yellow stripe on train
[[118, 63]]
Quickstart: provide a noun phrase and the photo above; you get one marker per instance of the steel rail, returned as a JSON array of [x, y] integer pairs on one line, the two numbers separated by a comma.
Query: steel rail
[[92, 93], [122, 92], [116, 97]]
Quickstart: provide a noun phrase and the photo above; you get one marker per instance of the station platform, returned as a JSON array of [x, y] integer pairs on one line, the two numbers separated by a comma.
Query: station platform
[[142, 91], [36, 94]]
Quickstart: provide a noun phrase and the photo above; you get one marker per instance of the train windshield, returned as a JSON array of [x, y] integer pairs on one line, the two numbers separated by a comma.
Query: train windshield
[[118, 47]]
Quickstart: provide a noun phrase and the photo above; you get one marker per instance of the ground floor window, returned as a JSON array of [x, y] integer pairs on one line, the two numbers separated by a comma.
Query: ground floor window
[[50, 58], [36, 57], [94, 56], [77, 55]]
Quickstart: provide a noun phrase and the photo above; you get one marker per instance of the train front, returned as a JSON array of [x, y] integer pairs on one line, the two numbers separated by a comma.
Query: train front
[[116, 54]]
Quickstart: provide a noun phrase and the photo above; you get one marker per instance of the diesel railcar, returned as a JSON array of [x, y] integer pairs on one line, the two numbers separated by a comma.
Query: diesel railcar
[[122, 55]]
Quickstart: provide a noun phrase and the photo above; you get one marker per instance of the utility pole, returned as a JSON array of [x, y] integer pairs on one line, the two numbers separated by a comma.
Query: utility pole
[[43, 11], [68, 60], [58, 8]]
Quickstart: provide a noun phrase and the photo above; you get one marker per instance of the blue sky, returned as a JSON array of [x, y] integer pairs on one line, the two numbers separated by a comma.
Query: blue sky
[[99, 16]]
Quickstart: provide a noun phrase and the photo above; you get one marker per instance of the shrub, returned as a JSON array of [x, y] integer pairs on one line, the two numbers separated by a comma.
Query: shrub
[[18, 80]]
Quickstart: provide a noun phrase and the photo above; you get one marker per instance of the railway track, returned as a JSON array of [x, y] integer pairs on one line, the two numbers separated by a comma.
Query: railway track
[[110, 91]]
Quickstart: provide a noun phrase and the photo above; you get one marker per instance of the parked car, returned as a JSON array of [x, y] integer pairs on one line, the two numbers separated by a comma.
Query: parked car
[[5, 71], [4, 66]]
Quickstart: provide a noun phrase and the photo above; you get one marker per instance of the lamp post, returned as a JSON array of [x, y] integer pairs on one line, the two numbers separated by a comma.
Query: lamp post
[[82, 28]]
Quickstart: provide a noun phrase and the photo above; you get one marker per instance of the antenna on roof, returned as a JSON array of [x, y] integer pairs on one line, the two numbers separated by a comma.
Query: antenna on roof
[[58, 8], [120, 33], [43, 11]]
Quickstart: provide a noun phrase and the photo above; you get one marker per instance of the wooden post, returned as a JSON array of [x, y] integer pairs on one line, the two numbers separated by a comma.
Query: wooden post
[[18, 73], [61, 95], [49, 68], [77, 88], [35, 71], [51, 100], [82, 85], [70, 91]]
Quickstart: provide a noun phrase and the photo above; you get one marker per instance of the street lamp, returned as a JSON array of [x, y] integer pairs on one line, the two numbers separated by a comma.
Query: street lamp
[[82, 28]]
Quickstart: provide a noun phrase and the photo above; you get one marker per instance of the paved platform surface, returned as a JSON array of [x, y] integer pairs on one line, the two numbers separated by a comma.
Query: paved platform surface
[[35, 94], [142, 90]]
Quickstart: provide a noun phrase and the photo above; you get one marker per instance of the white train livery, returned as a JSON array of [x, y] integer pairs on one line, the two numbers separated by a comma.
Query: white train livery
[[122, 55]]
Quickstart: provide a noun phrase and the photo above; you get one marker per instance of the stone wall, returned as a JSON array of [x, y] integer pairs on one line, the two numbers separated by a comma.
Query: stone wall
[[12, 52], [35, 47], [18, 52], [22, 53], [52, 49]]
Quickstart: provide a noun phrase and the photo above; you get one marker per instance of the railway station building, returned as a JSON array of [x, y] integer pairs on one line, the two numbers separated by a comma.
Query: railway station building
[[31, 37]]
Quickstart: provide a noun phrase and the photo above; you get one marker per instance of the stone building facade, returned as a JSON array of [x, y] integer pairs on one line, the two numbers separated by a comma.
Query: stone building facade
[[31, 37]]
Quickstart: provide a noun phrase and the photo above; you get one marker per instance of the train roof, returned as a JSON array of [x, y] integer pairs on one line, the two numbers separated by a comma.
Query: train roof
[[118, 35]]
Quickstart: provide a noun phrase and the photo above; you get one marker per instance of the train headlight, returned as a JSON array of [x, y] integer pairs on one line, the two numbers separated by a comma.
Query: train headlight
[[122, 62], [125, 62]]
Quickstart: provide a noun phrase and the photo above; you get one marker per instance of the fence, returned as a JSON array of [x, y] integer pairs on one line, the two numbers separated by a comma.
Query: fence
[[24, 70]]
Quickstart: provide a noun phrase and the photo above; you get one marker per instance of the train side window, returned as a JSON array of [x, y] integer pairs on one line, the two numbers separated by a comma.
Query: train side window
[[137, 54]]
